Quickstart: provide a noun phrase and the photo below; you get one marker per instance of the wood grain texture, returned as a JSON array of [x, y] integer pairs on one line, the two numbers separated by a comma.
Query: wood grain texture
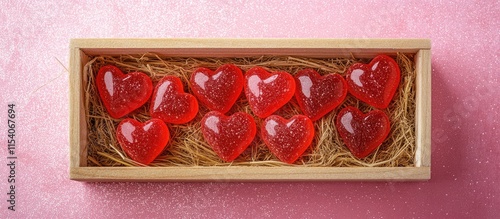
[[254, 43], [74, 107], [104, 174], [82, 49], [78, 126], [319, 48], [423, 111]]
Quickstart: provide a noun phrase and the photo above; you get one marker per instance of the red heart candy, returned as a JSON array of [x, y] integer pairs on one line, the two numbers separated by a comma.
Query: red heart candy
[[122, 93], [374, 83], [317, 95], [362, 133], [229, 136], [287, 139], [142, 142], [267, 92], [218, 90], [171, 104]]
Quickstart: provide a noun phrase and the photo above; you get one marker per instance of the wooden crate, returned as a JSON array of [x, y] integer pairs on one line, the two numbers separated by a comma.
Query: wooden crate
[[82, 49]]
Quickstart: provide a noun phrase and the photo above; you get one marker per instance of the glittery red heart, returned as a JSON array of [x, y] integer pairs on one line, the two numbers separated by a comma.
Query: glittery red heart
[[374, 83], [122, 93], [362, 133], [287, 139], [218, 90], [317, 95], [228, 136], [267, 92], [171, 104], [142, 142]]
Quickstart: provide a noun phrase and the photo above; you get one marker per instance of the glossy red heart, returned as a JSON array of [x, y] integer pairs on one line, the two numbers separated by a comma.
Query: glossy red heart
[[362, 133], [142, 142], [267, 92], [218, 90], [374, 83], [171, 104], [228, 136], [122, 93], [287, 139], [318, 95]]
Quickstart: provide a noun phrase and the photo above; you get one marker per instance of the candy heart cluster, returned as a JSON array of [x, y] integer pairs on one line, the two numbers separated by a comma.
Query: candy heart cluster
[[122, 93], [266, 92], [375, 84]]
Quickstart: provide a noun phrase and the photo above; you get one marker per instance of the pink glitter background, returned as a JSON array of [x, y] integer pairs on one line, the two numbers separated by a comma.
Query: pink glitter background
[[465, 36]]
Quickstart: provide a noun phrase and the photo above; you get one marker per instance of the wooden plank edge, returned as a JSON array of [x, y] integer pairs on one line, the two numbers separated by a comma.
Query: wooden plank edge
[[251, 174], [299, 43], [423, 111], [83, 110], [246, 52], [74, 106]]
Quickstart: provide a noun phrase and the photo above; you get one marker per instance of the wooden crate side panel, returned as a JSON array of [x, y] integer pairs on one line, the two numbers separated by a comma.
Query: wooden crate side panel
[[423, 111], [319, 48], [74, 115], [254, 43], [113, 174], [78, 127]]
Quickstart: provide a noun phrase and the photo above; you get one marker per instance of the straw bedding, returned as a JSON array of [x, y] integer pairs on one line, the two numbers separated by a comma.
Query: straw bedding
[[187, 146]]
